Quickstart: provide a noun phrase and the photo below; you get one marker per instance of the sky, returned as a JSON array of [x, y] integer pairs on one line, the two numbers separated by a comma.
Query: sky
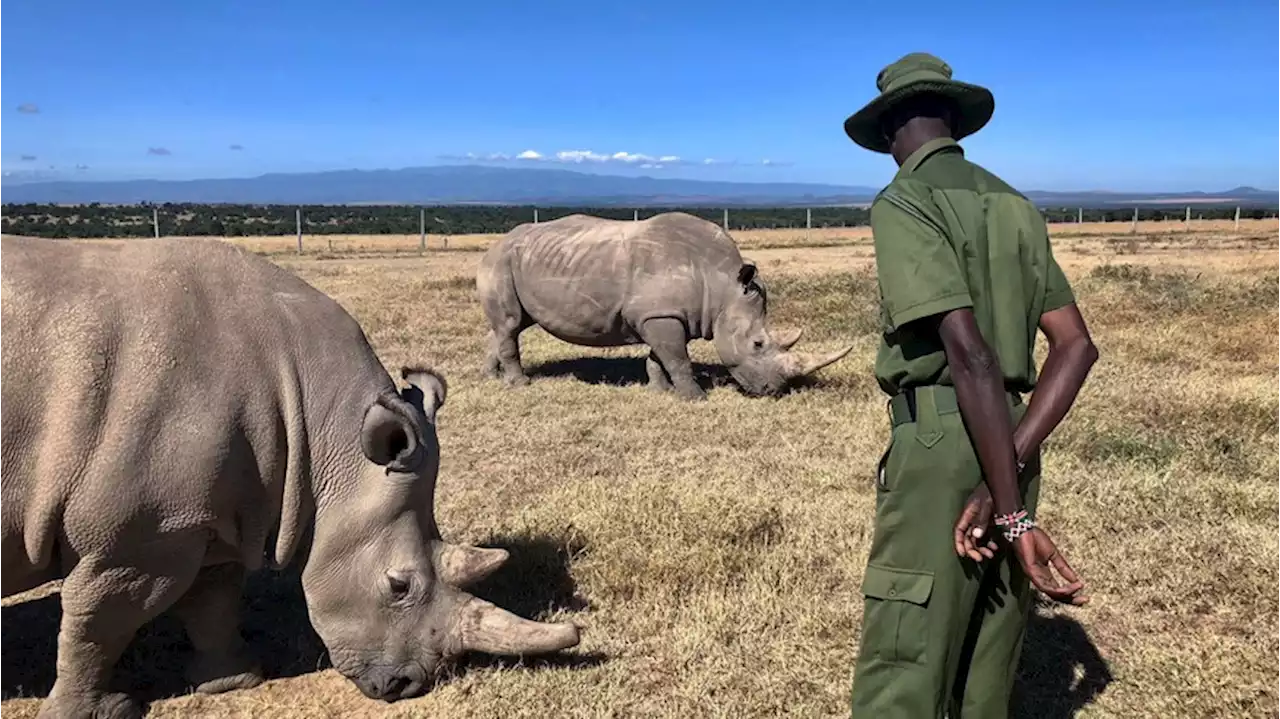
[[1148, 95]]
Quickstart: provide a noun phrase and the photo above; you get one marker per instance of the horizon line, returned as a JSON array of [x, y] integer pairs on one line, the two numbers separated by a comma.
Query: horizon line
[[6, 180]]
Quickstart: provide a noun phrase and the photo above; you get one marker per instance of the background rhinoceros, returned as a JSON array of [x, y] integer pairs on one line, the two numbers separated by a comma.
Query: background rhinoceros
[[175, 410], [661, 281]]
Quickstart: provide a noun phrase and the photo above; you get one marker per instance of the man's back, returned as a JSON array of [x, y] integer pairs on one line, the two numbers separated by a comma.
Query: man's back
[[949, 233]]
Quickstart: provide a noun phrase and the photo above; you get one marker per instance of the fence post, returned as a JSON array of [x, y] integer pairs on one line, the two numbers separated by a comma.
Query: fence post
[[1186, 223], [298, 217], [1080, 216], [535, 215], [725, 222], [155, 221], [1237, 218], [808, 222], [635, 215], [422, 229], [1135, 222]]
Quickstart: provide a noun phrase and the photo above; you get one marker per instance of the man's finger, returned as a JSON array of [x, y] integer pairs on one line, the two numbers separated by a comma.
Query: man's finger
[[1059, 593], [1065, 593], [1060, 563]]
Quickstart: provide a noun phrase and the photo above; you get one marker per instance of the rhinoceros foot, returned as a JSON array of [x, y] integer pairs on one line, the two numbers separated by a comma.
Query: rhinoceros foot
[[692, 393], [515, 380], [99, 706], [214, 674]]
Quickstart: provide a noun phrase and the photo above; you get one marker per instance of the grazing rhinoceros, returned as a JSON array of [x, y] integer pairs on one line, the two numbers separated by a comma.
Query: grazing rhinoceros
[[178, 412], [661, 281]]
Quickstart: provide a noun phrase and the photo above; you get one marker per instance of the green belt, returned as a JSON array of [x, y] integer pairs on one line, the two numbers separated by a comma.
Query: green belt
[[902, 405]]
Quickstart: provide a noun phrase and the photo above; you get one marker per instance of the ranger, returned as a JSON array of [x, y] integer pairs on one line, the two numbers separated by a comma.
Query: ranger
[[966, 275]]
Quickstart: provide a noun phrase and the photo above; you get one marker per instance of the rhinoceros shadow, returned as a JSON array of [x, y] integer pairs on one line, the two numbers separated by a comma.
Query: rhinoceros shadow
[[275, 625], [622, 371]]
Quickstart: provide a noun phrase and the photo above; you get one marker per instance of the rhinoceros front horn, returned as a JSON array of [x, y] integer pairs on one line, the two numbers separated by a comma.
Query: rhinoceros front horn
[[480, 626], [800, 366]]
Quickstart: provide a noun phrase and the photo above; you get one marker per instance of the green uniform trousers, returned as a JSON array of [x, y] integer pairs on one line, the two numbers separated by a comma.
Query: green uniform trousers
[[941, 634]]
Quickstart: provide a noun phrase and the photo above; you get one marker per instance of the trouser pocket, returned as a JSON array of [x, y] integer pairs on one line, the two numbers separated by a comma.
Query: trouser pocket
[[896, 627]]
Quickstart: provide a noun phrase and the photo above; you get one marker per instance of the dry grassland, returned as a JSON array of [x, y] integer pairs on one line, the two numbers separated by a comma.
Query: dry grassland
[[714, 551]]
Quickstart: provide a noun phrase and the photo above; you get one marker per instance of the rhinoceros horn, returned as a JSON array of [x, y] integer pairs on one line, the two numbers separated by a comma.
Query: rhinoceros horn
[[482, 627], [463, 566], [479, 626], [797, 366], [787, 339]]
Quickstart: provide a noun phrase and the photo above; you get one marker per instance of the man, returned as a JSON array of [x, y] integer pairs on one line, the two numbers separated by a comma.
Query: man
[[966, 276]]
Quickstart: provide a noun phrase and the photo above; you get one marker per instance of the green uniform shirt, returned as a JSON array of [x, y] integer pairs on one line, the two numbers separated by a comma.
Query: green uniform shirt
[[948, 235]]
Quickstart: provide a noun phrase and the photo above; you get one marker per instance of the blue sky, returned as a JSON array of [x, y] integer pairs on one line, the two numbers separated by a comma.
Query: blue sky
[[1148, 95]]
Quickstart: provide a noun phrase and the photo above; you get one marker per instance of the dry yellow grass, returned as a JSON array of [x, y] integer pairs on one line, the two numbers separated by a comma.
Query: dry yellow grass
[[714, 551]]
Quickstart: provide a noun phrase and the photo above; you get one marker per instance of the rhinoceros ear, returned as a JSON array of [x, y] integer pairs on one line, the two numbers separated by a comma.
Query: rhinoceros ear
[[389, 437], [426, 391], [746, 275]]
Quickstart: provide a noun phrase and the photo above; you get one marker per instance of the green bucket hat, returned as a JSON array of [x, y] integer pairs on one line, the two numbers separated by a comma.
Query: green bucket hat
[[919, 73]]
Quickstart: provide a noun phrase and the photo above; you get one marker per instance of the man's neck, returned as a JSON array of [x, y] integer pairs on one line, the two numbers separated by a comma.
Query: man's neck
[[915, 134]]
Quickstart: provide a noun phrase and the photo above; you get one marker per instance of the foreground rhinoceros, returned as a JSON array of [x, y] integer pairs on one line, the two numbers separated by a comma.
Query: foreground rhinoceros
[[177, 412], [661, 282]]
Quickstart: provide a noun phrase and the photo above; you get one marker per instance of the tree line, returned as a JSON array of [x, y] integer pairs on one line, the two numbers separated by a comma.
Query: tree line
[[182, 219]]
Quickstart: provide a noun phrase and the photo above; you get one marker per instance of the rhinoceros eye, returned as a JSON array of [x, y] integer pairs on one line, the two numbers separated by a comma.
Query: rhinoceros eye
[[399, 586]]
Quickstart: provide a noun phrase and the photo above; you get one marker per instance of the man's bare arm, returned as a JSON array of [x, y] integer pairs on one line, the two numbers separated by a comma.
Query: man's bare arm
[[1071, 356], [980, 392]]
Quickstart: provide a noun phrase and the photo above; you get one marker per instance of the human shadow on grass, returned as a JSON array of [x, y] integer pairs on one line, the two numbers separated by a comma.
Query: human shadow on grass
[[1055, 649], [276, 627]]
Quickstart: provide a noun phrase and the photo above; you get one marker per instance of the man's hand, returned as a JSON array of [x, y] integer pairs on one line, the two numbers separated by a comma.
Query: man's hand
[[974, 524], [1035, 552]]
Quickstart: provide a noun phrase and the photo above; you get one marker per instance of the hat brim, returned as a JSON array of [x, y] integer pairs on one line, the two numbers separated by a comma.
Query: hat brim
[[974, 107]]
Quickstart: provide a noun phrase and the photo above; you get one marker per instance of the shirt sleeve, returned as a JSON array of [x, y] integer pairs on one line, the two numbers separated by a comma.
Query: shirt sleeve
[[1057, 292], [916, 265]]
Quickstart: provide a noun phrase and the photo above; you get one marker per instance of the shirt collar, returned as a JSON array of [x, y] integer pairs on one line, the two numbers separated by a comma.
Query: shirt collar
[[924, 152]]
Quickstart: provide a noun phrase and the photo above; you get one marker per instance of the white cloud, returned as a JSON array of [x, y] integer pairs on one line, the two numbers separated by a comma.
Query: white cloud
[[578, 157]]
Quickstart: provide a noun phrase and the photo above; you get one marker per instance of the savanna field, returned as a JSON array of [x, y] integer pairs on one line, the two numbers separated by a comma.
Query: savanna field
[[713, 552]]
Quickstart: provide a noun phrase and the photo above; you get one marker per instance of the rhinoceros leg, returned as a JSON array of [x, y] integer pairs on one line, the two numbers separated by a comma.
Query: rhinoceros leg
[[210, 611], [507, 319], [504, 355], [105, 600], [658, 380], [667, 339]]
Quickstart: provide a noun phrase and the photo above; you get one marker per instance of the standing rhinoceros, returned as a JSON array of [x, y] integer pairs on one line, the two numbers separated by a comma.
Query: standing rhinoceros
[[177, 412], [661, 281]]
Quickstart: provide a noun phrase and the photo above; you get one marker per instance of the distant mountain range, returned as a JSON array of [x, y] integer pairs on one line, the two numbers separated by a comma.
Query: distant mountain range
[[471, 184]]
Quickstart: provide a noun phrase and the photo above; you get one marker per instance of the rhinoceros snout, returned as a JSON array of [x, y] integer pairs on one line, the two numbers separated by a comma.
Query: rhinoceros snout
[[391, 684]]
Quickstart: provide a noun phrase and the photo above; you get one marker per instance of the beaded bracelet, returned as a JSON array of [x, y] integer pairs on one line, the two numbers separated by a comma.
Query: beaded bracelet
[[1014, 525]]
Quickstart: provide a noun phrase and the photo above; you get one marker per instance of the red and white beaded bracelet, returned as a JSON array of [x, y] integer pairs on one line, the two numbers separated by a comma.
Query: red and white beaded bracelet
[[1014, 525]]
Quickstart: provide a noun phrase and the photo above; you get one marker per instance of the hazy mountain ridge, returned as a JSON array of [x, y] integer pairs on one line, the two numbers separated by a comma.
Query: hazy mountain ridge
[[471, 184]]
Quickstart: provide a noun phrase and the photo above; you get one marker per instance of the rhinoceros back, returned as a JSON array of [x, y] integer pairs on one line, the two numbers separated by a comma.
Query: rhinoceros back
[[594, 281], [142, 389]]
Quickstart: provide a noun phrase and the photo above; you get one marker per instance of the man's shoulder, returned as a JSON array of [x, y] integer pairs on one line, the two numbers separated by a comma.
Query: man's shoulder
[[911, 188], [990, 182]]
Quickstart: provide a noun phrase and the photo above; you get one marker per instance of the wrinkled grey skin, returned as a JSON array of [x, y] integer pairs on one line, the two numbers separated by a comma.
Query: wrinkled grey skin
[[661, 282], [176, 413]]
